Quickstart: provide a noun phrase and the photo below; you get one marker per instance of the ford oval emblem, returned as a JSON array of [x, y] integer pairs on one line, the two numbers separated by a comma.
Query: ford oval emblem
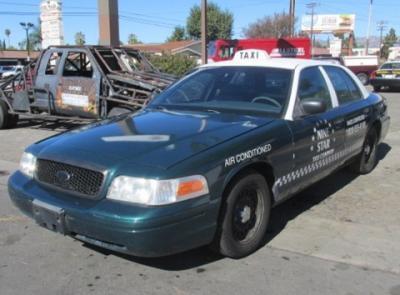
[[62, 177]]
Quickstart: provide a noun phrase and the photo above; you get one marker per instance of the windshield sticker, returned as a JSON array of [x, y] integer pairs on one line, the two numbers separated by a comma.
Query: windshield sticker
[[247, 155]]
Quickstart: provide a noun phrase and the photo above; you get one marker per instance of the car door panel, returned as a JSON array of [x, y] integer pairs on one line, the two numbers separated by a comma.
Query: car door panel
[[79, 86]]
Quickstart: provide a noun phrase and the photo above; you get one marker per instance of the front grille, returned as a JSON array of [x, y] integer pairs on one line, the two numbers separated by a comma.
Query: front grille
[[72, 178]]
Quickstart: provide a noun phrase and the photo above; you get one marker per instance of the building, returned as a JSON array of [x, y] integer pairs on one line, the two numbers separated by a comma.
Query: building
[[188, 47], [51, 23], [15, 57]]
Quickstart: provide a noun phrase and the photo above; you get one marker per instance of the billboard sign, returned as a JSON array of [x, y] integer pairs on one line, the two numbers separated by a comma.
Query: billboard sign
[[51, 23], [324, 23]]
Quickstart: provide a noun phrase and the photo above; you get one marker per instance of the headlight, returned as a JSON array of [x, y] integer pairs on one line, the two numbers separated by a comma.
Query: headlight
[[157, 192], [27, 164]]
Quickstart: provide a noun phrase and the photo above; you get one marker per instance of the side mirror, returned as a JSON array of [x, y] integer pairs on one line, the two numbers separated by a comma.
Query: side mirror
[[313, 106]]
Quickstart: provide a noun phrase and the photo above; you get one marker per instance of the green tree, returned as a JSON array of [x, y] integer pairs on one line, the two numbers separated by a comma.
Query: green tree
[[178, 34], [7, 32], [80, 39], [177, 64], [388, 41], [133, 39], [219, 26], [275, 26]]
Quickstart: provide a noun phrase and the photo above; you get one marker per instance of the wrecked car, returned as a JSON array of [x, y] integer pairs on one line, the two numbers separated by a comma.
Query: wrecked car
[[87, 82]]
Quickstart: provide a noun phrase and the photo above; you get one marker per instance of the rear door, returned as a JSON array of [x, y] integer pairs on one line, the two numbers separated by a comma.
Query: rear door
[[79, 85], [318, 138], [353, 107]]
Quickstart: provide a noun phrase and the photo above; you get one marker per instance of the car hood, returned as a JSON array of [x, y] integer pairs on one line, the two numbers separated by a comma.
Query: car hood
[[159, 138]]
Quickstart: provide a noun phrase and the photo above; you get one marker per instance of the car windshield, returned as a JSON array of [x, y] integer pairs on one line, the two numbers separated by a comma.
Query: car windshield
[[230, 88]]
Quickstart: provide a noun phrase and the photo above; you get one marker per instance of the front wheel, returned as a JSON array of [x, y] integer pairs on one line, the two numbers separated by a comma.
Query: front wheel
[[245, 216], [367, 160]]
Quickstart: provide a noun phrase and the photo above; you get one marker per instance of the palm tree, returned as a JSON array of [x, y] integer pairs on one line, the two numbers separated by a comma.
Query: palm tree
[[7, 32]]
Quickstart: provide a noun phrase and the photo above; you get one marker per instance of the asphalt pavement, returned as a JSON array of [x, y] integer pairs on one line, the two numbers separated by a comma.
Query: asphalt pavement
[[341, 236]]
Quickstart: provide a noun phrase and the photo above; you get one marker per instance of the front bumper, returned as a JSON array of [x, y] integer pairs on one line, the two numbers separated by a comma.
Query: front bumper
[[137, 230], [382, 82]]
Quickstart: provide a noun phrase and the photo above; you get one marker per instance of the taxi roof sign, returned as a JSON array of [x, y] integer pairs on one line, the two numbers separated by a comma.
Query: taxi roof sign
[[251, 55]]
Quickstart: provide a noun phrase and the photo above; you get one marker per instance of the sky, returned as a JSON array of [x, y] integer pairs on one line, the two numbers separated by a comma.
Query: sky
[[153, 20]]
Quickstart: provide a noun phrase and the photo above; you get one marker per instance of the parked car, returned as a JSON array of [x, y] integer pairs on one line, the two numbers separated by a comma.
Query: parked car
[[89, 82], [206, 160], [388, 76], [11, 71]]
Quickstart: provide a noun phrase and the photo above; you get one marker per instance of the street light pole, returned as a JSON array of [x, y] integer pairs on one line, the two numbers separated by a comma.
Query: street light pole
[[312, 7], [368, 27], [27, 27]]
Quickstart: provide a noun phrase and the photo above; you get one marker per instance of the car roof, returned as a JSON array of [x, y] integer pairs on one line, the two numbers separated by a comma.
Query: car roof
[[282, 63]]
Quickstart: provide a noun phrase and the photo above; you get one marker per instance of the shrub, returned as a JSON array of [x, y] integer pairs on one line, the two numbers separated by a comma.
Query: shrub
[[177, 65]]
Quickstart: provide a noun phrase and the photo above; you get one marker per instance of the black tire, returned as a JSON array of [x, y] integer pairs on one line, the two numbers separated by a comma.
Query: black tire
[[367, 160], [7, 120], [118, 111], [245, 216], [377, 88], [12, 121], [363, 77], [3, 115]]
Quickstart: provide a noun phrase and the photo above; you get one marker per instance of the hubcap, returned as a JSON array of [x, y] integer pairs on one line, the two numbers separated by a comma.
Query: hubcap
[[247, 213]]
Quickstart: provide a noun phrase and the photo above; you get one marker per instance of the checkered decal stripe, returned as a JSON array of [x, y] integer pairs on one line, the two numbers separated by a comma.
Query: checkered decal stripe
[[313, 167]]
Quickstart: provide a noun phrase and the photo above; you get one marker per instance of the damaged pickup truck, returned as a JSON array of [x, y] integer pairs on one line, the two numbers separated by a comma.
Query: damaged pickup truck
[[80, 83]]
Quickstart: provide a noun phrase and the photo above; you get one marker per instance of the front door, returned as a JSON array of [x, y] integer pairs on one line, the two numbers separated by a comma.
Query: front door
[[318, 138], [46, 80], [78, 87]]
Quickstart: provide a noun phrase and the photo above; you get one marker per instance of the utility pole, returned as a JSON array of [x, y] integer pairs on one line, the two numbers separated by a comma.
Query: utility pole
[[311, 6], [108, 22], [204, 57], [292, 13], [368, 27], [27, 27], [381, 27]]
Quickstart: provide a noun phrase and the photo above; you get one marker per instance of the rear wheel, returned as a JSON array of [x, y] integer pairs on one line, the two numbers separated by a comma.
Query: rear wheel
[[363, 78], [6, 120], [367, 160], [245, 216]]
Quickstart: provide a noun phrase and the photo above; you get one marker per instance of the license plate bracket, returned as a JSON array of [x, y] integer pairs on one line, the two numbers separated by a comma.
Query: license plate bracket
[[49, 216]]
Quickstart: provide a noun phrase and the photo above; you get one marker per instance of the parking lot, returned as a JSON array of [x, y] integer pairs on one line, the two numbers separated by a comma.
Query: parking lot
[[341, 236]]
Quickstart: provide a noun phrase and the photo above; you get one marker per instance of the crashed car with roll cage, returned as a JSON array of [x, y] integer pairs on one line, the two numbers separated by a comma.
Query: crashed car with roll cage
[[81, 83], [206, 161]]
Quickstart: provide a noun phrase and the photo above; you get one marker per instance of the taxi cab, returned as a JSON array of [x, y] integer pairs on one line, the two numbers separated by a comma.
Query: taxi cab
[[206, 160], [388, 75]]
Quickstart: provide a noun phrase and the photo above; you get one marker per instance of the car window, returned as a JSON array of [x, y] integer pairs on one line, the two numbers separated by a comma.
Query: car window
[[386, 66], [77, 64], [52, 64], [312, 85], [345, 87], [244, 88]]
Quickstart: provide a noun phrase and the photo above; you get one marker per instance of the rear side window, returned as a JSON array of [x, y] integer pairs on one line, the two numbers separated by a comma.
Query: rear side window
[[312, 85], [77, 64], [345, 87]]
